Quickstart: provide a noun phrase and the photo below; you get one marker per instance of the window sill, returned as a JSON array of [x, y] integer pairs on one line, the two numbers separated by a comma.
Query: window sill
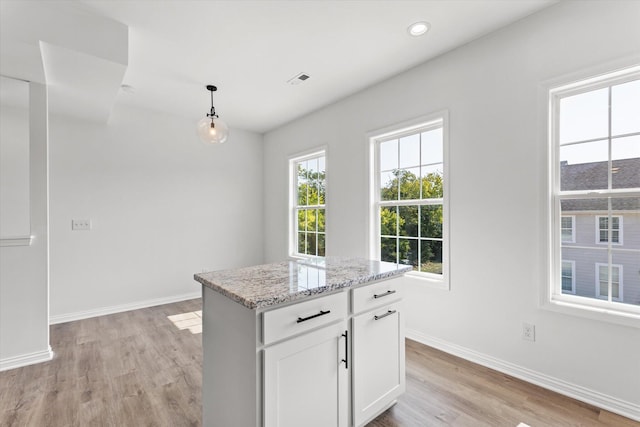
[[296, 257], [600, 314]]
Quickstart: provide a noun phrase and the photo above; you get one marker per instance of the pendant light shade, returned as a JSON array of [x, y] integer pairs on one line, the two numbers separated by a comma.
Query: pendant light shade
[[211, 129]]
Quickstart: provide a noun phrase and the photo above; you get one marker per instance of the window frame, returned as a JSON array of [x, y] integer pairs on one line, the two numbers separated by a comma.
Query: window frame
[[573, 228], [625, 70], [293, 200], [439, 119], [599, 230], [620, 297], [573, 276]]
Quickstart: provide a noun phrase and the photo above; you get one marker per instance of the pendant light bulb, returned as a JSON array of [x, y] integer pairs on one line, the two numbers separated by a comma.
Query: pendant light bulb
[[210, 128]]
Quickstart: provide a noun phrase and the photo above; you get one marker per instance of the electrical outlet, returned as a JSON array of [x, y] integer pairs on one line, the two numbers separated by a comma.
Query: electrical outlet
[[80, 224], [528, 332]]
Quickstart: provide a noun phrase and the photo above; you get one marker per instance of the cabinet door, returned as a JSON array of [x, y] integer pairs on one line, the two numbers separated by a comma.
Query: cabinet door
[[378, 361], [306, 380]]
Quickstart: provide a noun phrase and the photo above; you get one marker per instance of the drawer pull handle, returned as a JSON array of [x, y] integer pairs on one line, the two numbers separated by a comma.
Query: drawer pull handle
[[388, 313], [303, 319], [346, 350], [384, 295]]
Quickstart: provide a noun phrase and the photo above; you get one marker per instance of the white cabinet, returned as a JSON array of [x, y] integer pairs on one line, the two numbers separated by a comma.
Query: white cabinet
[[374, 295], [378, 348], [306, 375], [378, 361], [306, 380], [296, 319], [333, 360]]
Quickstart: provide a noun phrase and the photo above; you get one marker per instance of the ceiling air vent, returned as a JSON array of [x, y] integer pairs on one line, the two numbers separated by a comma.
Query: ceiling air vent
[[298, 78]]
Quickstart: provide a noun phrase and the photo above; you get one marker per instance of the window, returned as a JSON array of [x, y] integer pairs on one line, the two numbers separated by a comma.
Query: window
[[602, 234], [595, 163], [568, 277], [603, 281], [568, 231], [409, 219], [308, 192]]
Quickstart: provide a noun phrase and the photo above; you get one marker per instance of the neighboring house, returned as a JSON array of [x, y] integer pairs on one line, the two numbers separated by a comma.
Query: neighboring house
[[586, 232]]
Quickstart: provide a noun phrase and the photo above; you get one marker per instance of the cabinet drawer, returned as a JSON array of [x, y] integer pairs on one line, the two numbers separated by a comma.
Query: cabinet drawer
[[301, 317], [377, 294]]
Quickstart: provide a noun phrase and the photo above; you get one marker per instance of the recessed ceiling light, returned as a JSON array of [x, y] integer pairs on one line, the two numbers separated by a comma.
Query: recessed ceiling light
[[418, 29]]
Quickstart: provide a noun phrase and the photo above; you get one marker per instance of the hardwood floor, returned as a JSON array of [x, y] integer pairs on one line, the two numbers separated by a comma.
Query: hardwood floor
[[139, 369], [444, 390], [128, 369]]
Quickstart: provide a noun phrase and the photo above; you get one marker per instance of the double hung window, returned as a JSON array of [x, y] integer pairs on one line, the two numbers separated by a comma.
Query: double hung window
[[568, 229], [604, 229], [602, 281], [308, 209], [595, 190], [568, 277], [410, 198]]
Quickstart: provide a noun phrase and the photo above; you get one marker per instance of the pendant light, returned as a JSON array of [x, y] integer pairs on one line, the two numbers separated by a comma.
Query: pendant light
[[211, 129]]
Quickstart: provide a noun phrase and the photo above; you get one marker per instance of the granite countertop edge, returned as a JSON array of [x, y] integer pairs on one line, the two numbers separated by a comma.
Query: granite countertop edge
[[281, 298]]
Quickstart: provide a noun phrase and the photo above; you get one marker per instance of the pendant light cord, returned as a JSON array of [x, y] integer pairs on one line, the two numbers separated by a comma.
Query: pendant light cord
[[213, 109]]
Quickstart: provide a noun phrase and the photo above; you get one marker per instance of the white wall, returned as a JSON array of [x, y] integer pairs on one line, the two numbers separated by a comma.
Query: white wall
[[14, 170], [24, 270], [163, 206], [491, 88]]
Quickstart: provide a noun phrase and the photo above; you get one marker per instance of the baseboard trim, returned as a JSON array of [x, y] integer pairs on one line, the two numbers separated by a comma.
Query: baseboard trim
[[592, 397], [26, 359], [102, 311]]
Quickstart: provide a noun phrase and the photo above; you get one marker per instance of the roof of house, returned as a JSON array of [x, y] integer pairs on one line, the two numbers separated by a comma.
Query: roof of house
[[594, 176]]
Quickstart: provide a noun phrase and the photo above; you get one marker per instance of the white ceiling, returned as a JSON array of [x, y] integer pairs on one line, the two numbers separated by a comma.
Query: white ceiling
[[249, 49]]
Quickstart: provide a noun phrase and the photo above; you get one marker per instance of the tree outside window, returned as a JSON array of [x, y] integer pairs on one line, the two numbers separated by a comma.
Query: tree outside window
[[411, 196], [309, 207]]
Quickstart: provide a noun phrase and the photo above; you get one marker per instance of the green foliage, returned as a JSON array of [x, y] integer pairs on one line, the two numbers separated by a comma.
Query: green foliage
[[311, 221], [410, 186], [389, 221], [412, 221], [311, 187]]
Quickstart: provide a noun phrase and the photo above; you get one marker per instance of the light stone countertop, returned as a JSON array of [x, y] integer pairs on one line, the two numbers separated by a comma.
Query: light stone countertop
[[271, 284]]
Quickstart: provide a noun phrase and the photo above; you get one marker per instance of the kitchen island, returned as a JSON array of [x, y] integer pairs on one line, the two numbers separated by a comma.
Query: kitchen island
[[314, 342]]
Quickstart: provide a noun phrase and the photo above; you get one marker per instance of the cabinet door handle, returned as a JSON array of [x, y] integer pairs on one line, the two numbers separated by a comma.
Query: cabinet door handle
[[304, 319], [384, 295], [388, 313], [346, 349]]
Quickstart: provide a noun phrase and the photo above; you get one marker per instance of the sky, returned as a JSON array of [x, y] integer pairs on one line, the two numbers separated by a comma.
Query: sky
[[585, 117]]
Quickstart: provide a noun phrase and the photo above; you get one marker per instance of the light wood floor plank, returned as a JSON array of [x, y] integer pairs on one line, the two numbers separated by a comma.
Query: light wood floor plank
[[138, 369]]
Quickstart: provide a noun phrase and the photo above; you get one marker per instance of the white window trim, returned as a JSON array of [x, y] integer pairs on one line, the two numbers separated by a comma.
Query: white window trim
[[619, 242], [293, 197], [620, 298], [373, 244], [573, 228], [573, 276], [550, 298]]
